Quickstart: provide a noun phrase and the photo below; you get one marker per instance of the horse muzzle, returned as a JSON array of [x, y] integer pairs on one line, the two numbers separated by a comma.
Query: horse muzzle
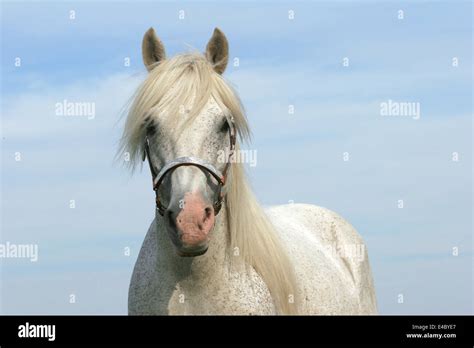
[[189, 229]]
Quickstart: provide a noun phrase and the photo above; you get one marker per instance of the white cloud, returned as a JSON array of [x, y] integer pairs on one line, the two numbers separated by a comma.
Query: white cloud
[[32, 115]]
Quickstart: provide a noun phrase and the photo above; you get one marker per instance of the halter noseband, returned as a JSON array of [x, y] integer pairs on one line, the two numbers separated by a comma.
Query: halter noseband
[[191, 161]]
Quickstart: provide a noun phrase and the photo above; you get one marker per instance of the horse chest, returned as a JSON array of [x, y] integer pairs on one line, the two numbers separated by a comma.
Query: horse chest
[[238, 293]]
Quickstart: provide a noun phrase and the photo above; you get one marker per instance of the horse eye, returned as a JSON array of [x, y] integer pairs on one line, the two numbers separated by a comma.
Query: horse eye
[[151, 129], [224, 127]]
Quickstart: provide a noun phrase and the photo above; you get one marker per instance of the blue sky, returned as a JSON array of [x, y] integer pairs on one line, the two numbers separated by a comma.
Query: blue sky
[[282, 62]]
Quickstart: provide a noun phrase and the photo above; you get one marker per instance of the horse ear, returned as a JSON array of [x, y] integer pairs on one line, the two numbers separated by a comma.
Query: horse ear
[[153, 50], [217, 51]]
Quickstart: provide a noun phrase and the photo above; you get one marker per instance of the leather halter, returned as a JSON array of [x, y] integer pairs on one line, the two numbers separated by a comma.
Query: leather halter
[[221, 177]]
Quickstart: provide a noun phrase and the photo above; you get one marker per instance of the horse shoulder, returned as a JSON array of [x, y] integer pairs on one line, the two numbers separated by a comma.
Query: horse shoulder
[[336, 236]]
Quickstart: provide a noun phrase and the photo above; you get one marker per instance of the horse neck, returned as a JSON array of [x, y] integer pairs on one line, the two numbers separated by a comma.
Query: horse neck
[[210, 265]]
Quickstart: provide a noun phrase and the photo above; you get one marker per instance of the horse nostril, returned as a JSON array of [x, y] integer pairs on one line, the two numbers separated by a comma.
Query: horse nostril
[[208, 212]]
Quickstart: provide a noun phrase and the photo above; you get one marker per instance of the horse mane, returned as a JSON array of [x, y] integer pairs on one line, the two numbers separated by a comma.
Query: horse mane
[[193, 81], [256, 239]]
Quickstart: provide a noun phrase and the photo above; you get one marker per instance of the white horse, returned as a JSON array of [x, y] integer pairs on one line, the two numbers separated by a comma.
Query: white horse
[[211, 248]]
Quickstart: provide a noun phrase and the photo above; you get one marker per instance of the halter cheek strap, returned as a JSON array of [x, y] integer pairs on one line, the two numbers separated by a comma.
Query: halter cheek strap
[[221, 177]]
